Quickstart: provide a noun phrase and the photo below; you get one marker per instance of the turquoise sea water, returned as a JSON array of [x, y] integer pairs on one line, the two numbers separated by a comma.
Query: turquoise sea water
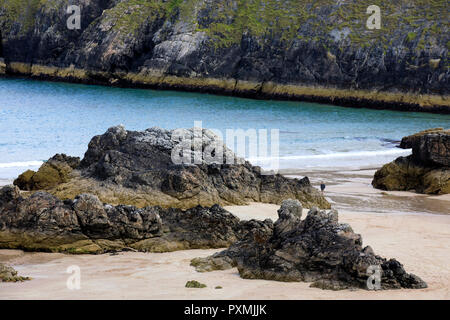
[[39, 119]]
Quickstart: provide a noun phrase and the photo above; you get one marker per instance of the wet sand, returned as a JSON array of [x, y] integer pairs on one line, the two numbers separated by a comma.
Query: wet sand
[[351, 190], [413, 228]]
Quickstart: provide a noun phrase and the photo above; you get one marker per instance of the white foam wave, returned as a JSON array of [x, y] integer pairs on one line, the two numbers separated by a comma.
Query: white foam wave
[[21, 164]]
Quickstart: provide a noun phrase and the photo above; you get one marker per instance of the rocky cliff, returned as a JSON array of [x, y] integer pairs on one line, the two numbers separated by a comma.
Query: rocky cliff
[[317, 249], [313, 50]]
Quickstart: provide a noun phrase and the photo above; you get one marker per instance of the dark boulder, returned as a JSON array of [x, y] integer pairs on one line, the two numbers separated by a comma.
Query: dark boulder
[[408, 141], [427, 170], [317, 249]]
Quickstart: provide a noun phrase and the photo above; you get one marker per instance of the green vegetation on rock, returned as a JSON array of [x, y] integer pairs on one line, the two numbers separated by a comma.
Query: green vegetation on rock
[[194, 284], [8, 274]]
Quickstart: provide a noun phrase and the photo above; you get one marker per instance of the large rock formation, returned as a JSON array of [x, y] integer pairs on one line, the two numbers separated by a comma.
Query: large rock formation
[[314, 50], [317, 249], [427, 170], [137, 168], [42, 222]]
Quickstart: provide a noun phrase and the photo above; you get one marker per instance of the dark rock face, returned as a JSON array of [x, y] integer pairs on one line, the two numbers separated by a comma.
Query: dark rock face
[[42, 222], [317, 249], [136, 168], [210, 46], [433, 149], [427, 170], [408, 141]]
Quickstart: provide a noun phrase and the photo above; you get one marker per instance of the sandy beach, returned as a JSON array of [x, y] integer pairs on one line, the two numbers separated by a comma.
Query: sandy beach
[[410, 227]]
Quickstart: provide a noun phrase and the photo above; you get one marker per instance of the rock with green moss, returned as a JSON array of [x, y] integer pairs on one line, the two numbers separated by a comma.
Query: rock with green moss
[[53, 172], [427, 170], [194, 284], [8, 274]]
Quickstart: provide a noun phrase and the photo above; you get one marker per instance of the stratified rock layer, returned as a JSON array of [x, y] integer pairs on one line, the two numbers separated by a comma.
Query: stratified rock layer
[[317, 249], [42, 222], [427, 170], [137, 168]]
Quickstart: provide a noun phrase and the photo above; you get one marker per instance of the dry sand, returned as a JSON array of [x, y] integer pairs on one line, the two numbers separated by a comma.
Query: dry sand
[[393, 224]]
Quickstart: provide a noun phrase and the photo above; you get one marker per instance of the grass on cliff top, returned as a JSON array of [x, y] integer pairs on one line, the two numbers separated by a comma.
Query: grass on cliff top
[[227, 21], [23, 13], [313, 20], [417, 22]]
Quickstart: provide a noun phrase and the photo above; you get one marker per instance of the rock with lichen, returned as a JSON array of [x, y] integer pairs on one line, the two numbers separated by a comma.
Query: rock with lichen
[[53, 172], [141, 168], [8, 274]]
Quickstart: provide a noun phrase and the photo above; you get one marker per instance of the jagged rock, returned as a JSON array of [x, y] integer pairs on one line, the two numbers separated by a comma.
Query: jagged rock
[[137, 168], [317, 249], [313, 52], [42, 222], [8, 274], [427, 170], [55, 171]]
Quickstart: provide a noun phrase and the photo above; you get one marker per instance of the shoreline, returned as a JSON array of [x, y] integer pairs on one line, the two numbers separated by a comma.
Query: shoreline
[[419, 241], [393, 101], [351, 190]]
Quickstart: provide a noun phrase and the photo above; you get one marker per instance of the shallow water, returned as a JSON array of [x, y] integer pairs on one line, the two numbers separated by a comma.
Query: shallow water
[[39, 119]]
